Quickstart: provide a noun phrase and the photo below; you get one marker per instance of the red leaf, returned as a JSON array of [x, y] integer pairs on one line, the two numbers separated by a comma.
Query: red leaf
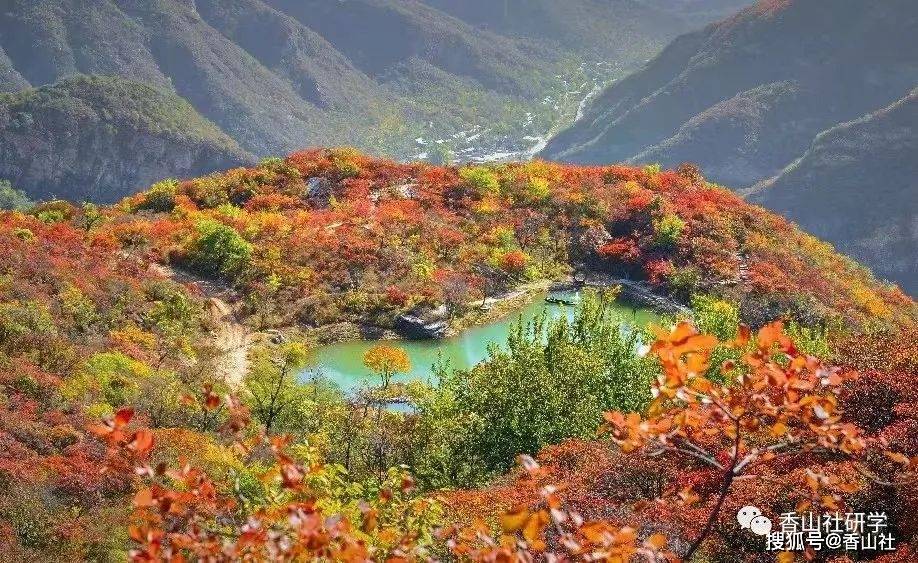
[[142, 441], [123, 416]]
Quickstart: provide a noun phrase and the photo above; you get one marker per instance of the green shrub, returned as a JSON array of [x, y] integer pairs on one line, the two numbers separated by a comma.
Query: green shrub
[[536, 189], [160, 196], [552, 382], [715, 316], [667, 230], [219, 250], [12, 199], [684, 281], [55, 211], [345, 161], [811, 340], [23, 234], [720, 318], [28, 515], [108, 379], [481, 178]]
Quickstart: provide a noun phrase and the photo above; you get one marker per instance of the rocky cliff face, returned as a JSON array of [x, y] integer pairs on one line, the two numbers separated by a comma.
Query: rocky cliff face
[[101, 139]]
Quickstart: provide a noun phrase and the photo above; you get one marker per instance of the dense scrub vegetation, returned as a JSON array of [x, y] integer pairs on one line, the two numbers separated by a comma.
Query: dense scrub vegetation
[[12, 199], [777, 421], [83, 332], [342, 236], [105, 364]]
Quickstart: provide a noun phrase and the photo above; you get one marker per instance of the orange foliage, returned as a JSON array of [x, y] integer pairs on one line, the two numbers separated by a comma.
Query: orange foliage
[[369, 224], [781, 407]]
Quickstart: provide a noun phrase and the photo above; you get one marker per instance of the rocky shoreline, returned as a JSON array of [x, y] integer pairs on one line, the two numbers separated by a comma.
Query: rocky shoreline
[[434, 323], [635, 292]]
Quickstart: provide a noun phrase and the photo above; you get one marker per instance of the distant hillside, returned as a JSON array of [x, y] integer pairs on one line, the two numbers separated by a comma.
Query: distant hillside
[[279, 75], [182, 46], [746, 97], [857, 184], [101, 138], [408, 78], [630, 30], [698, 12]]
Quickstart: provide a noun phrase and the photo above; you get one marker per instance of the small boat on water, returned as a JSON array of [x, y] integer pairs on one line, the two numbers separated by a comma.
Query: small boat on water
[[563, 297]]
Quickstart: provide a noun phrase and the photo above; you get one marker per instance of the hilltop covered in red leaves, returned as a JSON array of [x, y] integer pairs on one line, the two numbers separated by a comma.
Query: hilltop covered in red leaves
[[344, 236], [332, 235]]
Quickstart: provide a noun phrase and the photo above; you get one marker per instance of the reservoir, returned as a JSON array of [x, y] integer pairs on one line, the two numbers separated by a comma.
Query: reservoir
[[342, 363]]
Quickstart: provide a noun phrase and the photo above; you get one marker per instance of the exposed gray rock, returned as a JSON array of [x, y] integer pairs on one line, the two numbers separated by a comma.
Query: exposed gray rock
[[635, 292], [424, 323]]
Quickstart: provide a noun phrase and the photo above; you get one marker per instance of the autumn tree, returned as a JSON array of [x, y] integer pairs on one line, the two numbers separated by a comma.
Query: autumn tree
[[272, 385], [774, 400], [13, 199], [552, 381], [387, 361], [218, 250]]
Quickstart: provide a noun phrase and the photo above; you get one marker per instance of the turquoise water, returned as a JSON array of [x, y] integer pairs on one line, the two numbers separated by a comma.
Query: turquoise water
[[342, 363]]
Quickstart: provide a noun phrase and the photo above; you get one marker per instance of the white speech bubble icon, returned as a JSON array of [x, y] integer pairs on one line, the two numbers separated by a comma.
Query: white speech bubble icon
[[746, 514], [760, 525]]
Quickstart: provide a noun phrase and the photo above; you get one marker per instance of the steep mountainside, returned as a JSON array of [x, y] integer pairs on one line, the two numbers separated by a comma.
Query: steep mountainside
[[746, 97], [279, 75], [779, 70], [173, 44], [858, 185], [573, 25], [698, 12], [101, 138]]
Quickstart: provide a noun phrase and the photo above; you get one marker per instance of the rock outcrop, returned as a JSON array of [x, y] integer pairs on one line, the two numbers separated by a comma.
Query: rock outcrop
[[423, 323], [101, 139]]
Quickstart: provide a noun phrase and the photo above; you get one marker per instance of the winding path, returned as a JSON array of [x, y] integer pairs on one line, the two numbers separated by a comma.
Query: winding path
[[231, 338]]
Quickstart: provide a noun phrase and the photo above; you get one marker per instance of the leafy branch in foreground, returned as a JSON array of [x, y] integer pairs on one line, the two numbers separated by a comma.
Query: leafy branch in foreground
[[774, 400]]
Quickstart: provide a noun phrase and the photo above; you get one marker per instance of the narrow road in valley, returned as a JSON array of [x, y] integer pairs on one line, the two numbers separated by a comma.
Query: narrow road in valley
[[231, 338]]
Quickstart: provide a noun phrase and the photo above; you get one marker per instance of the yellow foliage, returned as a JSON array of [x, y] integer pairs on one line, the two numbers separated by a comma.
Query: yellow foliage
[[387, 360]]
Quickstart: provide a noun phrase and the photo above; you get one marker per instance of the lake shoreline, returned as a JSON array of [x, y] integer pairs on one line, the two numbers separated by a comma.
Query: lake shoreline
[[497, 307], [341, 362]]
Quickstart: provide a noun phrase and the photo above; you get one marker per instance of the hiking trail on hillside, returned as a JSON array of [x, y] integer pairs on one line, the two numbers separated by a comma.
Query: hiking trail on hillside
[[231, 338]]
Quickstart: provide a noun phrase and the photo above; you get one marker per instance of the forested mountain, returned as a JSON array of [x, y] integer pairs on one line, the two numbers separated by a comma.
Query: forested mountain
[[747, 97], [403, 77], [102, 138], [857, 184]]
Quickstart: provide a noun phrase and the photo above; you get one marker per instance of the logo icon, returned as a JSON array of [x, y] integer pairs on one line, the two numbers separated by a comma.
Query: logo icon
[[750, 518]]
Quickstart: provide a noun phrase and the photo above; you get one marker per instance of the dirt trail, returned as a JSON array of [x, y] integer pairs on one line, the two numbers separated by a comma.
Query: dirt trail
[[232, 339]]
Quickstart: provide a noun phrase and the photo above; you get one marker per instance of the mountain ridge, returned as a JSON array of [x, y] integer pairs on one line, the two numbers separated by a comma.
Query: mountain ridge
[[100, 138], [746, 97], [830, 178]]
